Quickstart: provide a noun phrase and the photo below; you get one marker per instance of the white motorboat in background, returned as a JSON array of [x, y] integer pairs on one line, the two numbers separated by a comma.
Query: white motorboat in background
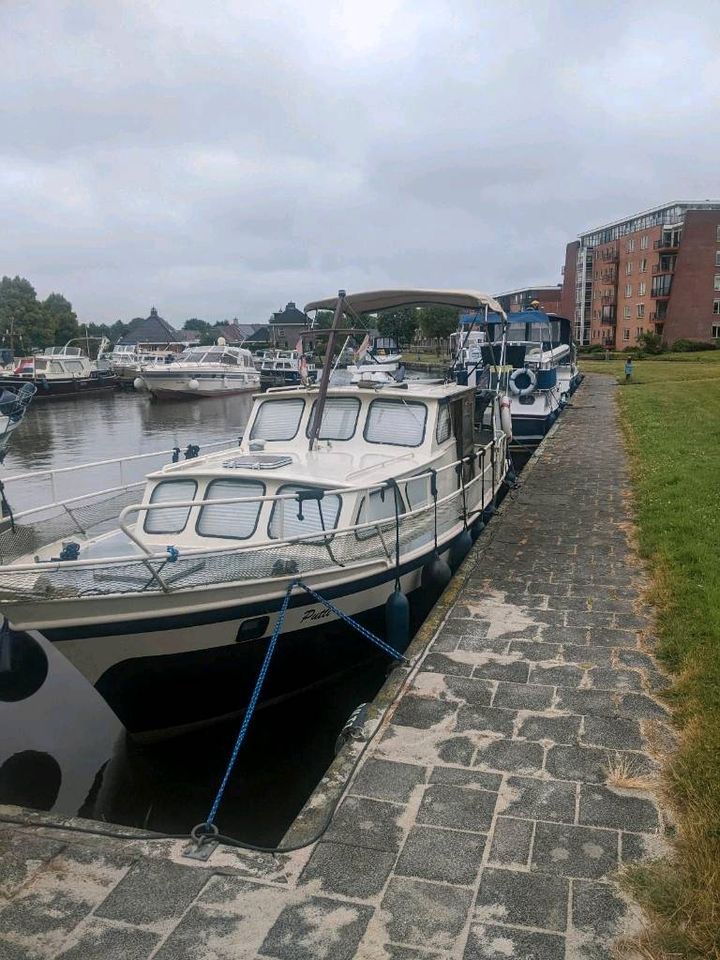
[[59, 372], [286, 368], [215, 371], [163, 593]]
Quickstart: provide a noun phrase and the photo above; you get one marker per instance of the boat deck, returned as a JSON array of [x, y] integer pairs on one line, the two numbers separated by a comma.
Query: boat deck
[[507, 781]]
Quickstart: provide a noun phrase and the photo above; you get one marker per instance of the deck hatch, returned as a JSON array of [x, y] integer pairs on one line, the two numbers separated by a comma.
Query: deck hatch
[[257, 461]]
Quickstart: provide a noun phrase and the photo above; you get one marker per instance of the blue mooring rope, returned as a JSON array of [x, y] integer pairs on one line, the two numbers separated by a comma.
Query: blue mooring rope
[[205, 831]]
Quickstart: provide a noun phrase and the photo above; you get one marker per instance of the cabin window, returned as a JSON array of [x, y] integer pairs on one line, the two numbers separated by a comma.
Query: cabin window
[[74, 366], [229, 358], [192, 357], [339, 418], [277, 419], [379, 506], [397, 422], [317, 515], [56, 367], [442, 431], [236, 521], [172, 519]]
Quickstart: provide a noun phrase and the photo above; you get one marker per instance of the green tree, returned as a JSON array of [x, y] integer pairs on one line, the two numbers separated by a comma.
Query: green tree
[[202, 326], [25, 324], [401, 324], [62, 317], [438, 322]]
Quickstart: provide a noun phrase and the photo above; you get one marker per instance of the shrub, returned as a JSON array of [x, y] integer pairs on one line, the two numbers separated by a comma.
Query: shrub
[[689, 346], [650, 343]]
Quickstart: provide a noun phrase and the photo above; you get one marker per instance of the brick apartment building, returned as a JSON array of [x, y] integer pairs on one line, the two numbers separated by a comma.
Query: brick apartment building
[[657, 271], [549, 298]]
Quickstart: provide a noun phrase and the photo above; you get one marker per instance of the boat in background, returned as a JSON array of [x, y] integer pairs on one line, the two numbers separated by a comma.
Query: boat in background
[[59, 372], [13, 406], [217, 371], [381, 362], [286, 368], [528, 356]]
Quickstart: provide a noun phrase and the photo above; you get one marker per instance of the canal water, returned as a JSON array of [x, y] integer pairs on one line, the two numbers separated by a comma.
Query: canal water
[[63, 750]]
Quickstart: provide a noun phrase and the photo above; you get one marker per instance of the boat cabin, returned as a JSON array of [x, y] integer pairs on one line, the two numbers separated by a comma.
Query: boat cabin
[[218, 354], [367, 435]]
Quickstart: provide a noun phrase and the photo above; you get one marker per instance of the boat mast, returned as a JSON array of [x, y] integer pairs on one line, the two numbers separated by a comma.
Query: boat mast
[[327, 368]]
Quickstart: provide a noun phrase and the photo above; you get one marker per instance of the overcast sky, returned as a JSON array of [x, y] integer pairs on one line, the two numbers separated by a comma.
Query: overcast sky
[[219, 158]]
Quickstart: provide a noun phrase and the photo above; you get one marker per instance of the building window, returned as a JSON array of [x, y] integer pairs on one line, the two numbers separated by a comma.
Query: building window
[[641, 289], [644, 242], [643, 265], [628, 289], [717, 281], [626, 312], [640, 311], [717, 258], [626, 334], [631, 246], [638, 332], [716, 307], [628, 267], [717, 233], [716, 331]]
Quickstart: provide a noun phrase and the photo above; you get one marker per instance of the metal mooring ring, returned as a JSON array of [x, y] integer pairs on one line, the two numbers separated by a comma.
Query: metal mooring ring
[[204, 832]]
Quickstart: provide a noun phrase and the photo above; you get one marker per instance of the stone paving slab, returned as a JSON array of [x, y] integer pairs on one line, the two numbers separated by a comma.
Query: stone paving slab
[[489, 818]]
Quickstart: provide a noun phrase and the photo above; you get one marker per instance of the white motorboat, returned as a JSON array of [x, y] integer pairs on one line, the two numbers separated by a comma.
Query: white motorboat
[[356, 491], [216, 371], [380, 363], [13, 405]]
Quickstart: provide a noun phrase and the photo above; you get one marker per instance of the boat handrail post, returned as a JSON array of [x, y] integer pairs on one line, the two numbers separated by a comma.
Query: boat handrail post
[[325, 379]]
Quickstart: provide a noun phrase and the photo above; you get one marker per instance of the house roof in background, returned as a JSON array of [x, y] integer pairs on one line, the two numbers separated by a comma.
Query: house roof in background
[[154, 329]]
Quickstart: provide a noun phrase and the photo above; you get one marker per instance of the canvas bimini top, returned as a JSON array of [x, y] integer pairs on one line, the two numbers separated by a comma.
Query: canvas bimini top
[[376, 300]]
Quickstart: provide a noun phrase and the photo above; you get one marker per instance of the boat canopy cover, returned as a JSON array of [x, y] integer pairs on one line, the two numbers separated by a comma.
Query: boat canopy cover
[[376, 300]]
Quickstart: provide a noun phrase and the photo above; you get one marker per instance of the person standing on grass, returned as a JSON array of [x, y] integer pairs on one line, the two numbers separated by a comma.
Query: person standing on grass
[[628, 370]]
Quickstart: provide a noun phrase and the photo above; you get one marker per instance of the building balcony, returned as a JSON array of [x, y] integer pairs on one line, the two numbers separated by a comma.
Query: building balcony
[[660, 294], [666, 244], [608, 276], [608, 321], [608, 297], [607, 256]]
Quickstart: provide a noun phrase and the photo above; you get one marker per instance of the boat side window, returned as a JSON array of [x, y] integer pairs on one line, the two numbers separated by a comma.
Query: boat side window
[[56, 367], [74, 366], [192, 357], [234, 521], [399, 423], [277, 419], [379, 506], [172, 519], [444, 426], [39, 364], [284, 519], [339, 418], [229, 358]]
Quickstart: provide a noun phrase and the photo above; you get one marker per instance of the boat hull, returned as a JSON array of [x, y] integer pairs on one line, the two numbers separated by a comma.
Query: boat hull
[[49, 389], [169, 387], [284, 378], [162, 677]]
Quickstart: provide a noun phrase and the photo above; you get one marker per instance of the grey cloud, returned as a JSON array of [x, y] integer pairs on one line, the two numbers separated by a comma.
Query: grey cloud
[[220, 159]]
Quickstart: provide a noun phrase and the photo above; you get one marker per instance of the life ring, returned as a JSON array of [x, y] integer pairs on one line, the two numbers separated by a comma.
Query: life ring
[[528, 381]]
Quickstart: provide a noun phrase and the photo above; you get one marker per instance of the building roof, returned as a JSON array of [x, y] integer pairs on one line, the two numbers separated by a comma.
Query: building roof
[[235, 332], [155, 330], [666, 213], [290, 315]]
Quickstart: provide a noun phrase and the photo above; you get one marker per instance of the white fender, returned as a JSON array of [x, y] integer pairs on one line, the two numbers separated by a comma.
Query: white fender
[[139, 383], [505, 418], [523, 391], [193, 384]]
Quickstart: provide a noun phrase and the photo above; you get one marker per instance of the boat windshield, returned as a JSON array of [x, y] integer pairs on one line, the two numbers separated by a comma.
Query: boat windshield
[[277, 419]]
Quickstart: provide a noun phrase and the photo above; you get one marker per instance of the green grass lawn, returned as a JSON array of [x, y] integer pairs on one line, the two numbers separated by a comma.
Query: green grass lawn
[[671, 416]]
